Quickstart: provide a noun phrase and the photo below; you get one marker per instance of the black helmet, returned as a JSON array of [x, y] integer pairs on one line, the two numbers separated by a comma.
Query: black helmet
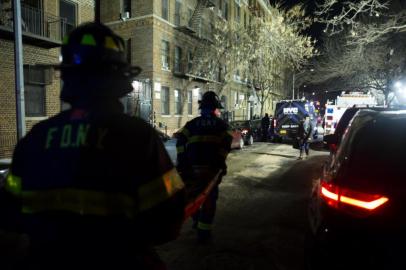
[[210, 100], [94, 64]]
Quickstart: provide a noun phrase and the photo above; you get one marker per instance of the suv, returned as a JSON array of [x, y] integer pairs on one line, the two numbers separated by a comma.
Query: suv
[[250, 130], [357, 207]]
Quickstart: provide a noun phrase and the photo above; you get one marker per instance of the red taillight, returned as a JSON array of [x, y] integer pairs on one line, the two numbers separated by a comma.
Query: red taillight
[[336, 197], [329, 117]]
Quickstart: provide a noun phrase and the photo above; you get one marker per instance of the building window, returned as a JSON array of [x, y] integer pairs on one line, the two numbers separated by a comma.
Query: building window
[[189, 61], [165, 100], [190, 15], [34, 94], [67, 10], [178, 10], [178, 59], [178, 102], [189, 102], [128, 50], [165, 9], [165, 54], [225, 10], [126, 7]]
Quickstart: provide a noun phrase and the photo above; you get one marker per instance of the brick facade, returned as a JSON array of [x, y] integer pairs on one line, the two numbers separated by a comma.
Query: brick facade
[[147, 28], [32, 54]]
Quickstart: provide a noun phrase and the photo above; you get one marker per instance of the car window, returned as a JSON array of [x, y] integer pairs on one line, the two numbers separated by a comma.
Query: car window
[[376, 155], [344, 121]]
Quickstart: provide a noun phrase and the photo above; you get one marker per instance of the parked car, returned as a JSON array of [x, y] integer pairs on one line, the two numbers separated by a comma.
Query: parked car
[[4, 168], [250, 130], [238, 137], [357, 208]]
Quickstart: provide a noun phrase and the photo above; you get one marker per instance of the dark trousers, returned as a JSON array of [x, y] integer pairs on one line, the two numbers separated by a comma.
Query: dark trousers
[[204, 218]]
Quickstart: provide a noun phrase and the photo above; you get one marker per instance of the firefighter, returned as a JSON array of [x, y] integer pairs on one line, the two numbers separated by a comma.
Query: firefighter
[[205, 142], [93, 187]]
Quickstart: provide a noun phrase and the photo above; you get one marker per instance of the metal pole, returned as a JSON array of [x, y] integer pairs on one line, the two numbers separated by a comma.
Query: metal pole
[[19, 72], [293, 86]]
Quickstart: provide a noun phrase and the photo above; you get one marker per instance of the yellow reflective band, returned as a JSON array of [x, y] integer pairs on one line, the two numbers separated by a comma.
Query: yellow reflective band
[[109, 43], [208, 138], [82, 202], [88, 39], [229, 132], [204, 226], [154, 192], [65, 40], [185, 132], [13, 184], [180, 149]]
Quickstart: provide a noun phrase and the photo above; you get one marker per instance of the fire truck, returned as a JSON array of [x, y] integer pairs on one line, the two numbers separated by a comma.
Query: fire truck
[[333, 113]]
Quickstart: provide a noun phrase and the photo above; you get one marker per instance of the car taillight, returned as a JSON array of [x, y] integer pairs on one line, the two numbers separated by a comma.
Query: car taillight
[[340, 197], [329, 117]]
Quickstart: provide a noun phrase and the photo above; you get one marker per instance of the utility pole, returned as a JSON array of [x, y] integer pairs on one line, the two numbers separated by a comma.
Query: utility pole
[[293, 86], [19, 72]]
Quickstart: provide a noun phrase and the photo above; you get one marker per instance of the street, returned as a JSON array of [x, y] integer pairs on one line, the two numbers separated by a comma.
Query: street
[[261, 218]]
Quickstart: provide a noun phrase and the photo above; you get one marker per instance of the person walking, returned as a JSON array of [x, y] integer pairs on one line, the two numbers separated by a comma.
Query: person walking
[[303, 135], [265, 122], [92, 187], [205, 142]]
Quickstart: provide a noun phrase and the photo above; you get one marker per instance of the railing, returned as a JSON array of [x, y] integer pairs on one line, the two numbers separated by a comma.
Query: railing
[[37, 22], [203, 30]]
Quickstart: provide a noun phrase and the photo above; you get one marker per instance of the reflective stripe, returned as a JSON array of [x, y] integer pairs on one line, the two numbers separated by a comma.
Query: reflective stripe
[[229, 133], [204, 226], [65, 40], [160, 189], [13, 184], [208, 138], [180, 149], [185, 132], [109, 43], [88, 39], [82, 202]]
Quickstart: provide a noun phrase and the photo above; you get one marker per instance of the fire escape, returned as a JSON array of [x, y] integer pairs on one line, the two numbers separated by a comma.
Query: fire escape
[[201, 34]]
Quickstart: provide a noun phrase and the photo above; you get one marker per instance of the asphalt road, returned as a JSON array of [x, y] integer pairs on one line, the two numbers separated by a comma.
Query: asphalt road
[[262, 214]]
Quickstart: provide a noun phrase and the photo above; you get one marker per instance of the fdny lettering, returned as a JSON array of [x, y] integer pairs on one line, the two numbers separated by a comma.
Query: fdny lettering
[[290, 110], [206, 122], [72, 136]]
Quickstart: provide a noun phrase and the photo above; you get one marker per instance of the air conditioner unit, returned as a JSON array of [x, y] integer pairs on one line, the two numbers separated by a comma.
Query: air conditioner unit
[[125, 15]]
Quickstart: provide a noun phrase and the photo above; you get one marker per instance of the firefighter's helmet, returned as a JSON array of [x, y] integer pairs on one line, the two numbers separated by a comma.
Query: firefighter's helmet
[[210, 100], [94, 64]]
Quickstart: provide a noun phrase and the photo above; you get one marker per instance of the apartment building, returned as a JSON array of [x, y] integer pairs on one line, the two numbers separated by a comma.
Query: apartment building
[[44, 23], [164, 37]]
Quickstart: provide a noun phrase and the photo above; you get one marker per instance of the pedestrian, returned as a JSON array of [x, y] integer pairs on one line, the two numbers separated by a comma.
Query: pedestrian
[[265, 122], [205, 142], [303, 135], [93, 187]]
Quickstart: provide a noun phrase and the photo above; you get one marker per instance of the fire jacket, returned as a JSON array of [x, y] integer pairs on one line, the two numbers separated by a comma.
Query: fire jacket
[[97, 180], [205, 141]]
